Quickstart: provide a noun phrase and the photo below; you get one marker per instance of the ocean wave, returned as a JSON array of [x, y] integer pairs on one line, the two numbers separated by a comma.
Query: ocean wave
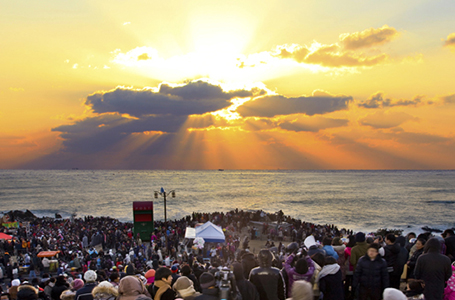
[[440, 201]]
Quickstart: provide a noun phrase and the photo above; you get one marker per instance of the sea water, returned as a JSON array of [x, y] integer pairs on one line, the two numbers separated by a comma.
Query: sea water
[[358, 200]]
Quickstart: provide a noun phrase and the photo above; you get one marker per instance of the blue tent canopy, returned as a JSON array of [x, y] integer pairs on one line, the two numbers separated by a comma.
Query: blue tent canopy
[[208, 231]]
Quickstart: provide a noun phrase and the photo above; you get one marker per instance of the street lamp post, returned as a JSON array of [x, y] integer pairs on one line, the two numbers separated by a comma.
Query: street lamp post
[[163, 193]]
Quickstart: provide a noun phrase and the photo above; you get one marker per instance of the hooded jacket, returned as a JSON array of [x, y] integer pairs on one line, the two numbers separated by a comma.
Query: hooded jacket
[[434, 269], [294, 276], [130, 288]]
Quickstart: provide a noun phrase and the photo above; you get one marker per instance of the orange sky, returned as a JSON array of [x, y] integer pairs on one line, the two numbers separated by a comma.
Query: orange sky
[[234, 85]]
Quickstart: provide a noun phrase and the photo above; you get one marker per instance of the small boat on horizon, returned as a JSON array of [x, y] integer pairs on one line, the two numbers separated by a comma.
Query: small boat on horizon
[[220, 169]]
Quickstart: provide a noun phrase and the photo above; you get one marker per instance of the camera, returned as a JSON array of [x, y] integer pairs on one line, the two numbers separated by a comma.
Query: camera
[[226, 284]]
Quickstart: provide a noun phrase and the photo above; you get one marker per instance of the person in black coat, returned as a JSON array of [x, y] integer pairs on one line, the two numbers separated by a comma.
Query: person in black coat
[[331, 280], [371, 276], [267, 279], [392, 252], [246, 288], [188, 272], [434, 269], [209, 289], [60, 286], [449, 240], [420, 243]]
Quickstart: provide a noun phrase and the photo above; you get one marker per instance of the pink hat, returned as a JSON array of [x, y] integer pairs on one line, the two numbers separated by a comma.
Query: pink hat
[[77, 284]]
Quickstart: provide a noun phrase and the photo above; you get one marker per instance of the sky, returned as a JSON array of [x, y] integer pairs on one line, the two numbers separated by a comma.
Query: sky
[[313, 85]]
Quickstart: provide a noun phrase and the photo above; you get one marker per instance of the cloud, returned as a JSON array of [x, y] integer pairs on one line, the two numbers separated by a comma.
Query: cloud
[[196, 97], [313, 124], [274, 105], [378, 101], [450, 42], [328, 56], [449, 99], [123, 112], [387, 120], [368, 38]]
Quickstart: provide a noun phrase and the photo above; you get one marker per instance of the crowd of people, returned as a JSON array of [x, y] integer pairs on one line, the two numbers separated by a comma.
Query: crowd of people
[[101, 258]]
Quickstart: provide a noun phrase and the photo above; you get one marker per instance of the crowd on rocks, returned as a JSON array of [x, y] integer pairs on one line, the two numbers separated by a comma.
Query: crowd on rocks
[[100, 258]]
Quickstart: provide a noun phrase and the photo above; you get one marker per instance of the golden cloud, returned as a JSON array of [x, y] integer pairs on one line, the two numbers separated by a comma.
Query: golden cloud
[[450, 42], [368, 38]]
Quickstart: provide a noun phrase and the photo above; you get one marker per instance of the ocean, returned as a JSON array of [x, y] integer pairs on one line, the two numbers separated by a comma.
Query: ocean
[[358, 200]]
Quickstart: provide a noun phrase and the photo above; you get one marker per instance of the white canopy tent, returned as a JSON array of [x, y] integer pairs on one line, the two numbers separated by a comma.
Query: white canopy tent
[[208, 231]]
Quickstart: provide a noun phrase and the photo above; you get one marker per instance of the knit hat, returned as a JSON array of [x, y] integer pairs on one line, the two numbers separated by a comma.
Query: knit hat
[[77, 284], [393, 294], [360, 237], [27, 292], [90, 276], [206, 280], [174, 269], [16, 282], [150, 275], [182, 283]]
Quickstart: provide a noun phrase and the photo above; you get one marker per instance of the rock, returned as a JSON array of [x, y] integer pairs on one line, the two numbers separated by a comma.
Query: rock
[[19, 215]]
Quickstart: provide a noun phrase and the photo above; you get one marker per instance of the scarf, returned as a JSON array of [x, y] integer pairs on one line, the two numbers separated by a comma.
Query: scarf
[[190, 291], [328, 270], [162, 288]]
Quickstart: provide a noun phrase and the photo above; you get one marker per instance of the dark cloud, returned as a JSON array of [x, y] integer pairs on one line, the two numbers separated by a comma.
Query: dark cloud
[[387, 120], [103, 132], [313, 124], [449, 99], [197, 97], [270, 106], [379, 101], [368, 37]]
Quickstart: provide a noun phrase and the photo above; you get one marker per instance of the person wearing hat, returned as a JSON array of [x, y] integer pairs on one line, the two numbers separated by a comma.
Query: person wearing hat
[[85, 293], [359, 250], [175, 275], [162, 286], [185, 289], [371, 276], [105, 291], [27, 292], [434, 269], [209, 289], [267, 279], [394, 294], [77, 284], [13, 289]]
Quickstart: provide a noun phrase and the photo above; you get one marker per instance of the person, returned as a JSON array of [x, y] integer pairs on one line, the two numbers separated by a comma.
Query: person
[[27, 292], [246, 288], [348, 291], [105, 291], [393, 294], [67, 295], [420, 243], [162, 286], [327, 247], [60, 286], [331, 280], [49, 285], [184, 288], [303, 270], [434, 269], [390, 254], [359, 250], [267, 279], [414, 289], [188, 272], [449, 240], [13, 289], [209, 289], [85, 293], [371, 276], [302, 291]]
